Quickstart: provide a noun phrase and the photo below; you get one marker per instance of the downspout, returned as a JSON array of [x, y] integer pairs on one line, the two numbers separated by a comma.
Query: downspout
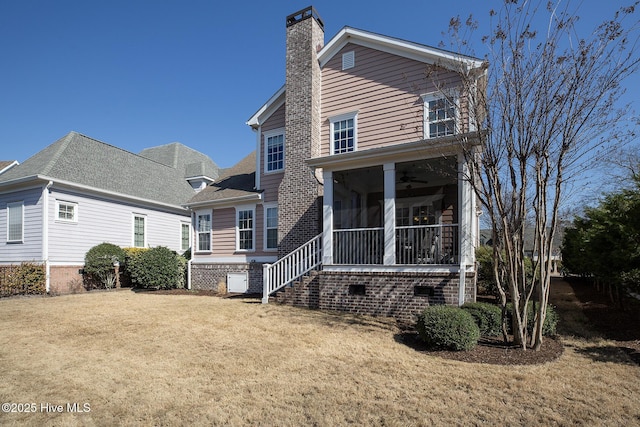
[[193, 239], [45, 235]]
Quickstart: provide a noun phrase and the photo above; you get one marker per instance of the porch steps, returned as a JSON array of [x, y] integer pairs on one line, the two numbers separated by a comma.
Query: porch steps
[[303, 292]]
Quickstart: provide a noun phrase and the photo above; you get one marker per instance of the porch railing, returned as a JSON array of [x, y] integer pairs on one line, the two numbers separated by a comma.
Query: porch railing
[[358, 246], [291, 267], [419, 244]]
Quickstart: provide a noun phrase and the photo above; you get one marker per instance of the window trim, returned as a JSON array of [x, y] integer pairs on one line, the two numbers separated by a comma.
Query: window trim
[[434, 96], [339, 118], [269, 134], [252, 209], [12, 205], [182, 225], [75, 211], [265, 246], [133, 230], [196, 244]]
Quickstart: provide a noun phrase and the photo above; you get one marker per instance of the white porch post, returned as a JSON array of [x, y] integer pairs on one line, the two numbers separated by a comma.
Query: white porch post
[[389, 217], [327, 218], [466, 212]]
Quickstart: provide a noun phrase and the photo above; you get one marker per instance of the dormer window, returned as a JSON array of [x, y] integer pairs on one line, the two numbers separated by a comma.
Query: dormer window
[[440, 115], [343, 133]]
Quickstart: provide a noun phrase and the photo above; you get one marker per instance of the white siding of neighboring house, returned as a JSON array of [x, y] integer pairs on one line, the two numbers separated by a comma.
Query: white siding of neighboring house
[[105, 220], [31, 247]]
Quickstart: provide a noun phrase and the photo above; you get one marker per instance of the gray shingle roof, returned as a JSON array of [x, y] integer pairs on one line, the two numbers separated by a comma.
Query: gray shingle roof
[[187, 160], [234, 182], [85, 161]]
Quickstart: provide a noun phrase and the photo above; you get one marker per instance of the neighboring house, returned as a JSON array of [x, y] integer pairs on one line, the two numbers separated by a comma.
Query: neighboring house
[[79, 192], [357, 174]]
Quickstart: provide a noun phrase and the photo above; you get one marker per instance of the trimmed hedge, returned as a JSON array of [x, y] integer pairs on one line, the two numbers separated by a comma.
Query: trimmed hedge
[[157, 268], [24, 279], [487, 316], [448, 328]]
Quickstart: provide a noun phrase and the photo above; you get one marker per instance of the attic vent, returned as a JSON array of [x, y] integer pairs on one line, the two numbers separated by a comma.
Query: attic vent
[[348, 60]]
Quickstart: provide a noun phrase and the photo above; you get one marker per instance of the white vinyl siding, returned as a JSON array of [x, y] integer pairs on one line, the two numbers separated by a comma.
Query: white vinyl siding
[[139, 231], [29, 247], [203, 227], [245, 232], [15, 222], [66, 211], [271, 227]]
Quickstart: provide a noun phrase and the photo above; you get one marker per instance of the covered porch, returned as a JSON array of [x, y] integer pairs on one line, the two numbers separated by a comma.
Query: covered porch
[[407, 214]]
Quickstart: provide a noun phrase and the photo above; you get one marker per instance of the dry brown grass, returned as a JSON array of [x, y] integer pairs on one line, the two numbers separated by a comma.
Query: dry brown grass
[[141, 359]]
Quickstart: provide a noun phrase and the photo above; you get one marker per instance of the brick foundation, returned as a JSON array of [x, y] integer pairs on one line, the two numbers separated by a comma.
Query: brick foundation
[[213, 277], [399, 295], [66, 279]]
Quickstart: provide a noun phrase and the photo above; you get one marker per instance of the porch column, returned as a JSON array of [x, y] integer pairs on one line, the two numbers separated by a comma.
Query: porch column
[[389, 217], [327, 218], [466, 213]]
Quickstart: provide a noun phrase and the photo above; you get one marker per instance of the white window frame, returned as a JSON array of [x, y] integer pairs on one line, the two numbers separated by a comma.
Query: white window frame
[[182, 225], [133, 230], [435, 96], [21, 206], [74, 205], [252, 209], [268, 206], [271, 134], [340, 118], [199, 232]]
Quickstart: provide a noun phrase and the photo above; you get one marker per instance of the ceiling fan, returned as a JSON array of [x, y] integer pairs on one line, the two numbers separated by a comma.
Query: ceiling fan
[[408, 179]]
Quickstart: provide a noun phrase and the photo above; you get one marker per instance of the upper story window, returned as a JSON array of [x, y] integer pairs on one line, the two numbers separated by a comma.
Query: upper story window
[[343, 133], [66, 211], [440, 115], [15, 222], [203, 231], [139, 231], [274, 151], [245, 235]]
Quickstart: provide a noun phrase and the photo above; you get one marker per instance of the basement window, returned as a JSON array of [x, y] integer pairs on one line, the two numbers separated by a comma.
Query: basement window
[[357, 290]]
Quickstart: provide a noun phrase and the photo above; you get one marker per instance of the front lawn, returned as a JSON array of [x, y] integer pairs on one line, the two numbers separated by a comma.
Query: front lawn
[[142, 358]]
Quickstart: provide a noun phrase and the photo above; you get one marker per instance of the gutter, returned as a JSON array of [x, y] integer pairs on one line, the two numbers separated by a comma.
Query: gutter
[[225, 202]]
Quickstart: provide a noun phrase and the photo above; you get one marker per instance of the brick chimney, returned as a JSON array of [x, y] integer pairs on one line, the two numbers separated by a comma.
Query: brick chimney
[[299, 191]]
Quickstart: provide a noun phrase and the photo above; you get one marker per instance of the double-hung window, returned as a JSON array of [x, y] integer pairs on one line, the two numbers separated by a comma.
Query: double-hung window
[[15, 222], [66, 211], [343, 133], [185, 236], [203, 231], [139, 231], [440, 115], [274, 151], [245, 236], [271, 227]]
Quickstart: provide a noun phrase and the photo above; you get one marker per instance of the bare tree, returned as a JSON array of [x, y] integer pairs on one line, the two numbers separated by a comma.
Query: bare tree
[[548, 110]]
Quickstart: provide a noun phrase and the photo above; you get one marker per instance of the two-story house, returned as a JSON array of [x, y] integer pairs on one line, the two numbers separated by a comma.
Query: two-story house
[[355, 198]]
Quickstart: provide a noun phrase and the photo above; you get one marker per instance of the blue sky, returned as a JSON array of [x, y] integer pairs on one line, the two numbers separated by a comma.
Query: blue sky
[[141, 73]]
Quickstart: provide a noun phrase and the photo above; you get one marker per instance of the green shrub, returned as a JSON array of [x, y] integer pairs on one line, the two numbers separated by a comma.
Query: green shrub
[[630, 280], [448, 328], [487, 316], [550, 321], [156, 268], [99, 262], [24, 279]]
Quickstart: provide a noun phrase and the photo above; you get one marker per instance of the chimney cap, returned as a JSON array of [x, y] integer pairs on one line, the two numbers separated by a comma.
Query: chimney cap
[[301, 15]]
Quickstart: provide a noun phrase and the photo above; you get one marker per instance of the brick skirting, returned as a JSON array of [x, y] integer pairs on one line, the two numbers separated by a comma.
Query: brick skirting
[[213, 277]]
